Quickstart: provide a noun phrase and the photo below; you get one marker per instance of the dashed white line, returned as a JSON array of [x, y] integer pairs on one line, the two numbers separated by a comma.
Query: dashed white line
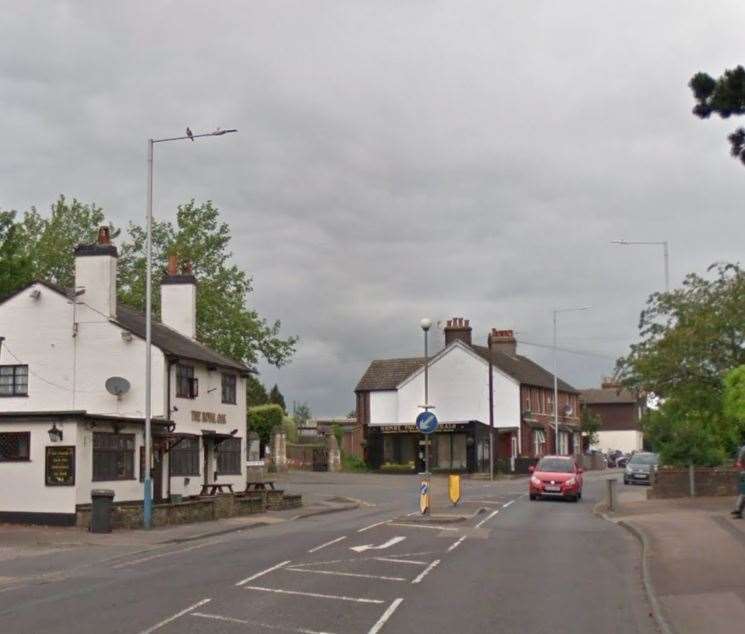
[[269, 626], [315, 595], [262, 573], [386, 615], [487, 518], [333, 541], [345, 574], [178, 615], [506, 504], [394, 560], [439, 528], [426, 571], [455, 545], [367, 528]]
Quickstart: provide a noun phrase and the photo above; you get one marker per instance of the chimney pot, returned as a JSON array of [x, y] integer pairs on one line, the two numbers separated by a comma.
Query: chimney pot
[[503, 341], [104, 235], [173, 264], [458, 328]]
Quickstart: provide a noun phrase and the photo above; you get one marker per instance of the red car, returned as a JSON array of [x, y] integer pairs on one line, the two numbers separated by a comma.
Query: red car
[[556, 476]]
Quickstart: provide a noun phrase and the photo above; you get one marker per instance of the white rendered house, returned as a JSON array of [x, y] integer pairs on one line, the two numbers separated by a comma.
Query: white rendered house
[[72, 395]]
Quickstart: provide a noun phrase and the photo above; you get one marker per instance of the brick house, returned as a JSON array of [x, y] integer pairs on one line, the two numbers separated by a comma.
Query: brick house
[[460, 377], [620, 412]]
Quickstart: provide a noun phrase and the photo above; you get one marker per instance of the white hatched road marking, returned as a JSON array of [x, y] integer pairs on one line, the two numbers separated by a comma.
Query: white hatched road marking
[[487, 518], [393, 560], [230, 619], [357, 559], [391, 542], [141, 560], [386, 615], [367, 528], [346, 574], [426, 571], [178, 615], [437, 528], [315, 595], [333, 541], [455, 545], [262, 573]]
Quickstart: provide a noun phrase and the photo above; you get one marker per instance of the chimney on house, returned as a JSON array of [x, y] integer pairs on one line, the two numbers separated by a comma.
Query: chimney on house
[[95, 272], [502, 341], [178, 298], [457, 328]]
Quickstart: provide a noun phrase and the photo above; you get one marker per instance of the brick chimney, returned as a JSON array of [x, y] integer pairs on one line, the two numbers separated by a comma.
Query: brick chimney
[[458, 328], [95, 273], [178, 298], [502, 341]]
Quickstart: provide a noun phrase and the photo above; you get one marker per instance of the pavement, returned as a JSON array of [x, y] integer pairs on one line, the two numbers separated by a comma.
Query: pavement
[[516, 566], [695, 559]]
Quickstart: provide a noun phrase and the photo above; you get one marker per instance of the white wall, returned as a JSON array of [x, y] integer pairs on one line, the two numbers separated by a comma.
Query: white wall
[[178, 308], [384, 407], [627, 440]]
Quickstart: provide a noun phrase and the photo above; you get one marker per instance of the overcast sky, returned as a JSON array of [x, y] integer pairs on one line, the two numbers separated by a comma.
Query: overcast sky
[[395, 159]]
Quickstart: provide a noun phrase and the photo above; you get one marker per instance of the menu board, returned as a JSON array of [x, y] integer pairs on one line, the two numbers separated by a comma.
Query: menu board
[[60, 466]]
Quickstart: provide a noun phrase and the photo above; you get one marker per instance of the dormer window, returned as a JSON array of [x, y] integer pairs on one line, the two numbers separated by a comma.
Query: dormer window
[[187, 386]]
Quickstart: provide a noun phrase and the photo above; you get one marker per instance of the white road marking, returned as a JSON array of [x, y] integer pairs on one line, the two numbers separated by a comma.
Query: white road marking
[[386, 615], [506, 504], [426, 571], [401, 561], [345, 574], [391, 542], [178, 615], [262, 573], [455, 545], [357, 559], [438, 528], [367, 528], [333, 541], [315, 595], [487, 518], [230, 619], [134, 562]]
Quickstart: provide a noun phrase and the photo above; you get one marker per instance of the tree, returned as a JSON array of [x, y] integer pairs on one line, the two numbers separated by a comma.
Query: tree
[[275, 396], [16, 268], [264, 419], [255, 392], [223, 320], [724, 96], [691, 338], [590, 424], [302, 414], [734, 398]]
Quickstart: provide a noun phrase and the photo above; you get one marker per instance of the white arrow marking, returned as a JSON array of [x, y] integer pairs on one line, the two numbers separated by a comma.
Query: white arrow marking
[[391, 542]]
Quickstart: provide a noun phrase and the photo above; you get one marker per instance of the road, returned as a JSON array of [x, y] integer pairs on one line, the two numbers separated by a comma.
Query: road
[[520, 566]]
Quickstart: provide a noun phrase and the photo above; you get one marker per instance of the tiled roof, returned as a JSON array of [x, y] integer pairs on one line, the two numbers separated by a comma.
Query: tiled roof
[[608, 395], [386, 374]]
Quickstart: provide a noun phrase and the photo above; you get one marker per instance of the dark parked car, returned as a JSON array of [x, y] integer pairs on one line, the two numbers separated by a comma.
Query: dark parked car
[[639, 467]]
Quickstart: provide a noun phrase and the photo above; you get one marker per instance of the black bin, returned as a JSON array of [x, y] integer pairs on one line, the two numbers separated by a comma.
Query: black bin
[[101, 510]]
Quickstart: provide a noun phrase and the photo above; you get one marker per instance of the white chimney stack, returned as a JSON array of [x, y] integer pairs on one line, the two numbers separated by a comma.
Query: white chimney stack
[[95, 273], [178, 298]]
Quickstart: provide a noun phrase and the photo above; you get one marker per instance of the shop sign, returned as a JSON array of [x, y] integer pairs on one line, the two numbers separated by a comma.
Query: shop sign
[[411, 429], [60, 466], [207, 417]]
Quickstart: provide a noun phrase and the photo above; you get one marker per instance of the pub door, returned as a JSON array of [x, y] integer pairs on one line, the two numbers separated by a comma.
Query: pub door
[[157, 475]]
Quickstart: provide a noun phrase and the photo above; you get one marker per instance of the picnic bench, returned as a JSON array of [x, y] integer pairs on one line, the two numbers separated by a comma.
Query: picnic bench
[[259, 485], [214, 488]]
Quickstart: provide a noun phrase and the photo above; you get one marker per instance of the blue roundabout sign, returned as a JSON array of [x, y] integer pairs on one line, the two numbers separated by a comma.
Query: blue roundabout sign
[[426, 422]]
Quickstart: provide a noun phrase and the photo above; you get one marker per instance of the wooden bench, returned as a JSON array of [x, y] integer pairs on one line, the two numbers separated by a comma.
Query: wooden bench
[[259, 485], [212, 489]]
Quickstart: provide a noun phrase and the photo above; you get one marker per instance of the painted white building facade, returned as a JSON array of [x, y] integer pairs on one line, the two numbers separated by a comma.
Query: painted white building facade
[[59, 349]]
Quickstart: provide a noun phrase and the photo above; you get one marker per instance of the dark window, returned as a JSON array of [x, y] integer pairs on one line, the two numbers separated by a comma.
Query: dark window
[[113, 457], [229, 457], [13, 380], [184, 458], [14, 446], [555, 465], [186, 385], [228, 388]]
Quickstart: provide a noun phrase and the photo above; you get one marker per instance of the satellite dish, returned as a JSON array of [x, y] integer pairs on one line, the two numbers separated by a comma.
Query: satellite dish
[[117, 386]]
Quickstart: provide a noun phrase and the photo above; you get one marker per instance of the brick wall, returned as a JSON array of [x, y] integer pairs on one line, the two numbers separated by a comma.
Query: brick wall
[[710, 481]]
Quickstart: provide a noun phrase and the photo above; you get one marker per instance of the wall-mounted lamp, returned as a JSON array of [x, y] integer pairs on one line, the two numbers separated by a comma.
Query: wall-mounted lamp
[[35, 294], [234, 432], [55, 434]]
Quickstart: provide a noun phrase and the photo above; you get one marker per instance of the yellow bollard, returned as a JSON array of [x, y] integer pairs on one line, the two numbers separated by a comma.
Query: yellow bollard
[[454, 488], [424, 496]]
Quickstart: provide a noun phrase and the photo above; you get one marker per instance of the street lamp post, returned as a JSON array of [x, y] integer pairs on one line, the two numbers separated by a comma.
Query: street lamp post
[[426, 324], [147, 509], [556, 381], [665, 253]]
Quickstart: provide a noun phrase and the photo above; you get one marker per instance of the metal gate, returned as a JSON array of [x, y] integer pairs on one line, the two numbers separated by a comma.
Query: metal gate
[[320, 459]]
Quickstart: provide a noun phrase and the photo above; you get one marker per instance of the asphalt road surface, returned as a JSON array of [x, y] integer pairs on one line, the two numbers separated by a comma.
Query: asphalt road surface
[[519, 566]]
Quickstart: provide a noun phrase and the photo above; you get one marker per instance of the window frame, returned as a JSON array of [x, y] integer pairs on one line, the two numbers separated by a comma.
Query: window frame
[[127, 454], [184, 458], [14, 393], [234, 387], [27, 435], [230, 455], [187, 385]]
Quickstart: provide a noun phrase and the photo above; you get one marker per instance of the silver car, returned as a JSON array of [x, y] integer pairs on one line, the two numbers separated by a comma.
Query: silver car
[[639, 467]]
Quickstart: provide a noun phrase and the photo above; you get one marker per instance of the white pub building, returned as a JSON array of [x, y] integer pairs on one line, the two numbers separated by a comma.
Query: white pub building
[[72, 395]]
